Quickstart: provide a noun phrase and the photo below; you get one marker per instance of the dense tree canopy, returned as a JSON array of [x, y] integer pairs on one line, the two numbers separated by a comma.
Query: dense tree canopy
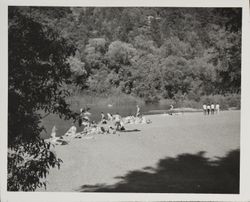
[[188, 50]]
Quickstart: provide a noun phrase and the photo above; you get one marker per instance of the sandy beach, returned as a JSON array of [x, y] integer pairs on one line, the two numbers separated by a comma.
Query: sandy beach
[[99, 161]]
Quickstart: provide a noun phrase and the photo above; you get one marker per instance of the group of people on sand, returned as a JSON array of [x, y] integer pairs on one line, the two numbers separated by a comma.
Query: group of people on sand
[[118, 120], [108, 125], [211, 109], [114, 120]]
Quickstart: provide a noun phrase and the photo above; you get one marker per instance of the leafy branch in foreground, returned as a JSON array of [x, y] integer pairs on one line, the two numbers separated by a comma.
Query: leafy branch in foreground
[[38, 70]]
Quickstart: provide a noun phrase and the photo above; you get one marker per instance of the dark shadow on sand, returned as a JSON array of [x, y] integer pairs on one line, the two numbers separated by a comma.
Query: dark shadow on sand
[[187, 173], [133, 130]]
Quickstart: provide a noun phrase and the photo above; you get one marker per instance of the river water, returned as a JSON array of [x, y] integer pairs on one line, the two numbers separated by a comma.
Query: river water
[[124, 110]]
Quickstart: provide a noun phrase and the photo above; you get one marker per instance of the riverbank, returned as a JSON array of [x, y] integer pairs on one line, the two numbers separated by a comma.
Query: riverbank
[[118, 99], [125, 105], [100, 160]]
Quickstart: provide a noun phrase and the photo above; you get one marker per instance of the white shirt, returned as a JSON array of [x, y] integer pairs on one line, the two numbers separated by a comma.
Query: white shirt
[[109, 116], [117, 118], [102, 116], [212, 106], [204, 106], [208, 107]]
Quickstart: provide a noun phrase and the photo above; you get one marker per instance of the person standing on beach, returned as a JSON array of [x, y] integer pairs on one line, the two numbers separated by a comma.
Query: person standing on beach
[[208, 109], [171, 110], [217, 108], [212, 108], [171, 107], [138, 112], [80, 118], [205, 109]]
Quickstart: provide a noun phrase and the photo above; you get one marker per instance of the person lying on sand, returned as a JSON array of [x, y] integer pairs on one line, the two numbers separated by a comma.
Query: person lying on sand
[[128, 119], [98, 130], [56, 140], [136, 120], [71, 131]]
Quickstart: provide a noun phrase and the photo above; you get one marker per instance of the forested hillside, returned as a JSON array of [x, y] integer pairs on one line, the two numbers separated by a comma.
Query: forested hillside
[[152, 53]]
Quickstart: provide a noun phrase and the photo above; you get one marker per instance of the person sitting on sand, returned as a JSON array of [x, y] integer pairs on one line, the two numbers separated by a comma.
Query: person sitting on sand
[[110, 117], [84, 119], [127, 119], [103, 119], [118, 122], [143, 120], [122, 125], [86, 113], [148, 121], [111, 130], [117, 119]]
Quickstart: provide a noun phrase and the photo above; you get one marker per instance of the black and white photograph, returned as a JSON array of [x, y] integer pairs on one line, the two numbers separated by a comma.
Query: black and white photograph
[[124, 99]]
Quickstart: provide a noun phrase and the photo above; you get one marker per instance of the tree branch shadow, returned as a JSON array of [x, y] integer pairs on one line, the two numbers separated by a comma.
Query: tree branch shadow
[[187, 173]]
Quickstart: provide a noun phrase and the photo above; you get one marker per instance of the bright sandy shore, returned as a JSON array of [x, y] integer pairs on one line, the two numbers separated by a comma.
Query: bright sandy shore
[[102, 159]]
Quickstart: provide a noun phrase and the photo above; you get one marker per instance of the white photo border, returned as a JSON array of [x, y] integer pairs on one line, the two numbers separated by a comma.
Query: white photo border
[[108, 197]]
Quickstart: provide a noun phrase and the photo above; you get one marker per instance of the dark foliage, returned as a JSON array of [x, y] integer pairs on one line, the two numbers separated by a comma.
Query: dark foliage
[[37, 72]]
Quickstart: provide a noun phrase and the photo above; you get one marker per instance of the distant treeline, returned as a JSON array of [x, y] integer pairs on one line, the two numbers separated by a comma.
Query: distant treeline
[[151, 53]]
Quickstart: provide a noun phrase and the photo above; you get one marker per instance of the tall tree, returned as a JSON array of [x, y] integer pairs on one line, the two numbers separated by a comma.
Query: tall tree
[[38, 69]]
